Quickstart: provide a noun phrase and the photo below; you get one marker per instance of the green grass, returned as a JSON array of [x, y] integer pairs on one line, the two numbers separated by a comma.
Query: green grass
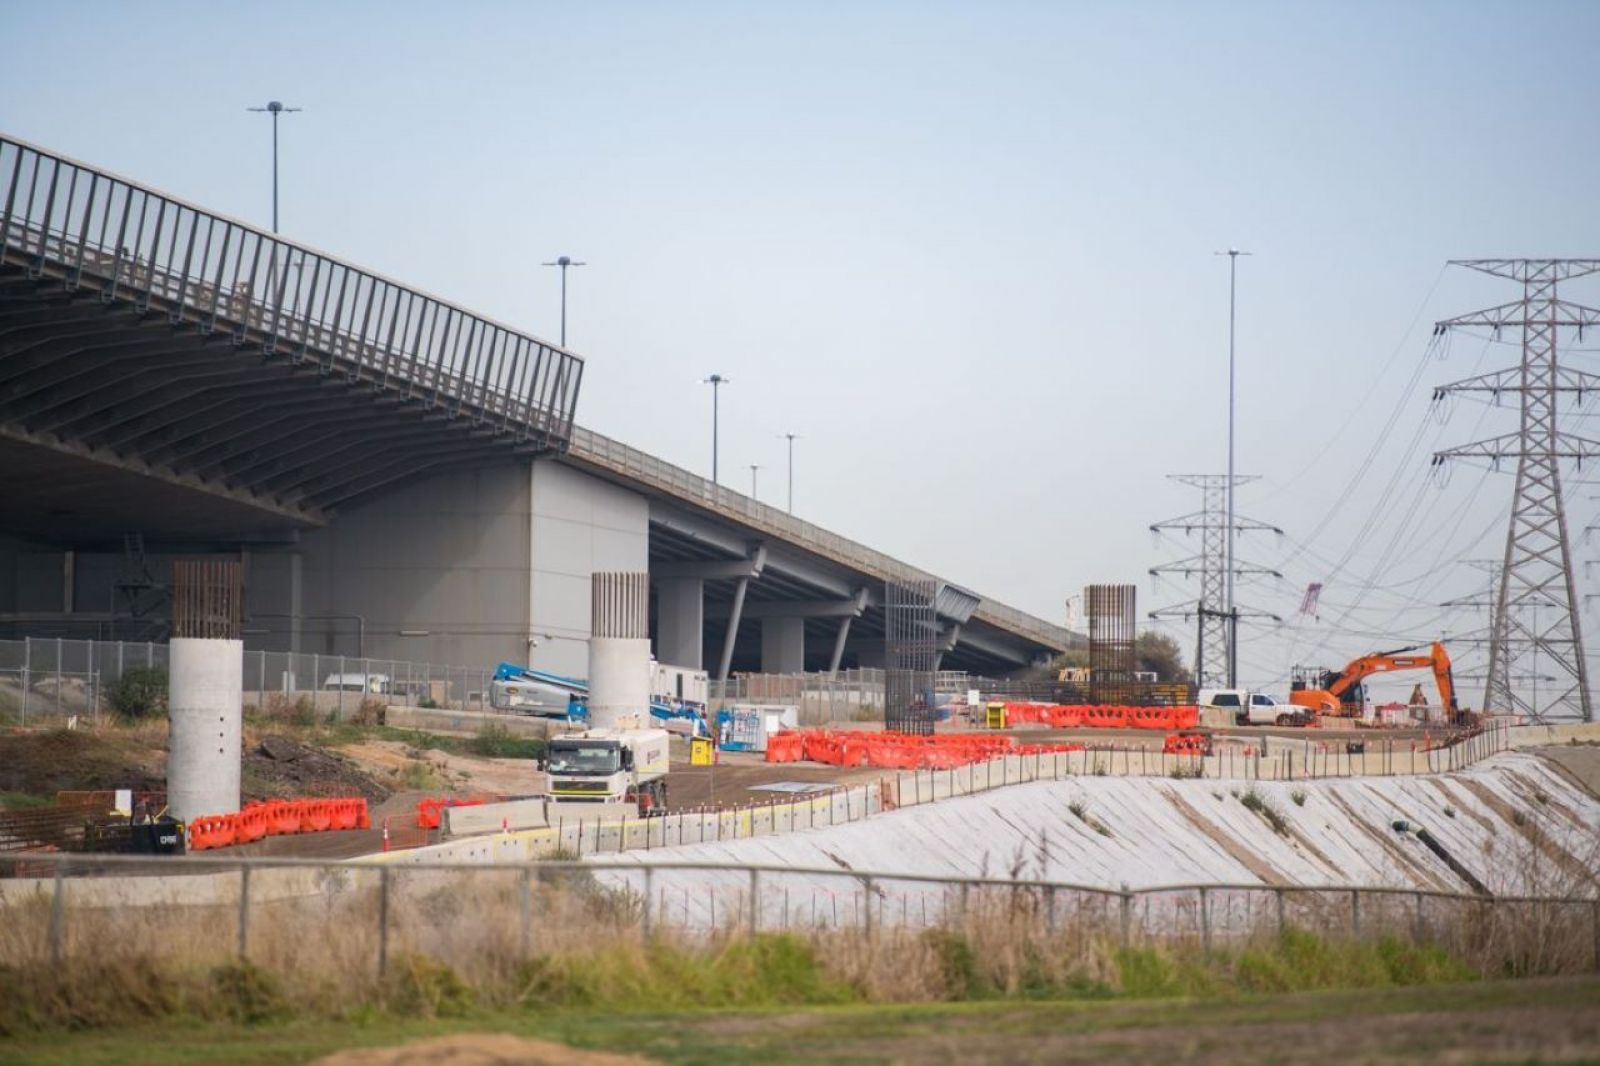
[[1438, 1019], [16, 801]]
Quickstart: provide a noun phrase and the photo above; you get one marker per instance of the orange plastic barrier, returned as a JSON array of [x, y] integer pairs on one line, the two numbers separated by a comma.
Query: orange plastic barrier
[[277, 818], [429, 810], [1081, 716], [894, 751], [1184, 744]]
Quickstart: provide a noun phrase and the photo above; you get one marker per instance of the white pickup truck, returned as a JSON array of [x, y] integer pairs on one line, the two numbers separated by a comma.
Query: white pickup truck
[[1254, 708]]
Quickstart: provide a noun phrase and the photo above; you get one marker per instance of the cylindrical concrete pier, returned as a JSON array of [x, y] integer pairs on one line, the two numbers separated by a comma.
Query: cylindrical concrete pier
[[205, 701], [619, 651]]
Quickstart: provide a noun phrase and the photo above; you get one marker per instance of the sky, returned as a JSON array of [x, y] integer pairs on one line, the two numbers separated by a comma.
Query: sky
[[965, 250]]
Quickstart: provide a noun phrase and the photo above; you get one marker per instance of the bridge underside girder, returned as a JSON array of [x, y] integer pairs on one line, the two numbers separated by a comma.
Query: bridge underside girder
[[112, 419]]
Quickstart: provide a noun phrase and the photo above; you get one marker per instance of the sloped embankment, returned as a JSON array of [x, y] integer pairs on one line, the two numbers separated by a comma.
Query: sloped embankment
[[1517, 823]]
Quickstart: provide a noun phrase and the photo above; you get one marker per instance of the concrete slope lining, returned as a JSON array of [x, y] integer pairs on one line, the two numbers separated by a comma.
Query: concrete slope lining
[[1330, 835]]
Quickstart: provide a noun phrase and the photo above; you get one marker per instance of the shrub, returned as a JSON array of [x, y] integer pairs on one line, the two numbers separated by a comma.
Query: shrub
[[140, 692], [1254, 801], [245, 993], [371, 712], [1299, 797], [419, 986], [959, 975]]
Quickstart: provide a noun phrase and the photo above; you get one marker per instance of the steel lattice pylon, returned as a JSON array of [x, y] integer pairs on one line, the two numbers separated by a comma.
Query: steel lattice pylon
[[1536, 604], [1216, 661]]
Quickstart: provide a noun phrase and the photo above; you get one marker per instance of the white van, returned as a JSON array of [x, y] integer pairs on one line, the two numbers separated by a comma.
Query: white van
[[375, 684], [1254, 708]]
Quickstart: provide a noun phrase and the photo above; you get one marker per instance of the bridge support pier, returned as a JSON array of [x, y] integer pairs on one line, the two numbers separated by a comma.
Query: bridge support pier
[[783, 645], [680, 621]]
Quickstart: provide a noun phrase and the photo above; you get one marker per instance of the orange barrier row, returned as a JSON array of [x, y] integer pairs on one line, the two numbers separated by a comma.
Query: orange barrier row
[[429, 809], [277, 818], [1093, 716], [896, 751], [1186, 744]]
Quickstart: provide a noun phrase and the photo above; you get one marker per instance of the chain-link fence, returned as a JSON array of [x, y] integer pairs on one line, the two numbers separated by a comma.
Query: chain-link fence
[[821, 697], [321, 918], [58, 678]]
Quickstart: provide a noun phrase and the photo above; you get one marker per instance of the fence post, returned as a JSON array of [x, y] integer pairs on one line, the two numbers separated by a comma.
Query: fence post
[[1278, 894], [1421, 926], [1594, 914], [244, 911], [59, 709], [58, 916], [383, 920], [649, 880], [866, 891], [526, 894], [1126, 907], [1205, 923], [1355, 914], [341, 687]]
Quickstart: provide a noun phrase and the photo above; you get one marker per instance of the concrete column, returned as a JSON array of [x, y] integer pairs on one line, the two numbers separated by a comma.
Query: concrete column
[[206, 708], [838, 644], [680, 621], [732, 635], [783, 645], [619, 650]]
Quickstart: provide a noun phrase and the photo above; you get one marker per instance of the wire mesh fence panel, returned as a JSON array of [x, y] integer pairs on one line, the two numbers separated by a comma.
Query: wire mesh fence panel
[[344, 921]]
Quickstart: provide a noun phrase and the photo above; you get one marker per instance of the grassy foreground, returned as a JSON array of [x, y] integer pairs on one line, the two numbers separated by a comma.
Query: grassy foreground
[[1511, 1021]]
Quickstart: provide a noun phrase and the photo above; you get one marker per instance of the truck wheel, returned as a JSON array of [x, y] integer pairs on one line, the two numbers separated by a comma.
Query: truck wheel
[[1285, 719]]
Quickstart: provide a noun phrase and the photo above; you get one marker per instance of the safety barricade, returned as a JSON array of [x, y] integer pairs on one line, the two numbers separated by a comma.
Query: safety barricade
[[213, 831], [250, 824], [1149, 717], [1185, 744], [259, 820], [429, 809]]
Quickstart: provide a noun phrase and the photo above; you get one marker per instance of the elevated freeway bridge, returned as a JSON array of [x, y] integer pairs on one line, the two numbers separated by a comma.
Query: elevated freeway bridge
[[394, 468]]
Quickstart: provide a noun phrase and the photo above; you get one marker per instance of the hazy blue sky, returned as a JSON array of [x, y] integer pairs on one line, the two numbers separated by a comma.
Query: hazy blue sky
[[964, 249]]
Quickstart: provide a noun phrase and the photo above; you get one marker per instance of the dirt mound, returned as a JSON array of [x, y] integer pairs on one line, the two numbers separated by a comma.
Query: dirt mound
[[478, 1049], [44, 763], [282, 767]]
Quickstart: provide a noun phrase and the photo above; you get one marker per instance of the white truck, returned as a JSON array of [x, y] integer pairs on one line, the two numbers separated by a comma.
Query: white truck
[[609, 766], [1254, 708]]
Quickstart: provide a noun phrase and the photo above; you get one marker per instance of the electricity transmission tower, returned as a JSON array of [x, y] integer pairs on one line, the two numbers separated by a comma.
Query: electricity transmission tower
[[1536, 605], [1216, 654]]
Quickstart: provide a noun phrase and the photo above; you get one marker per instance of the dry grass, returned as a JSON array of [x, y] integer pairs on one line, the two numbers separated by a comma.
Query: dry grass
[[500, 937]]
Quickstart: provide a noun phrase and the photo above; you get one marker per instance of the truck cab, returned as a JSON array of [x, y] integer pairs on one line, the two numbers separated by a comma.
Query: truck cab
[[609, 766], [1254, 708]]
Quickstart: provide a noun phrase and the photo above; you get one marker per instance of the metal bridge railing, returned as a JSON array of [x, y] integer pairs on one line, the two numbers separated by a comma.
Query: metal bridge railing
[[619, 458], [131, 243]]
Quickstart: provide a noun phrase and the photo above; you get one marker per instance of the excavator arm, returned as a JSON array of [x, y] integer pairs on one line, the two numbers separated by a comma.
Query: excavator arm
[[1437, 660]]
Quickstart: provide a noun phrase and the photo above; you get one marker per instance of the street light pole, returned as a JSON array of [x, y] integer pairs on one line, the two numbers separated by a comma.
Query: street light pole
[[564, 262], [274, 108], [791, 438], [1233, 255], [753, 468], [716, 381]]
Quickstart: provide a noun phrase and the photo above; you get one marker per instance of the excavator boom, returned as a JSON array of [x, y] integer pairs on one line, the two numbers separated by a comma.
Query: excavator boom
[[1437, 659]]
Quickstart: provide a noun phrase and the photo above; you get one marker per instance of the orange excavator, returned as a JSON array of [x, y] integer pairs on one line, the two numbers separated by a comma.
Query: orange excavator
[[1339, 693]]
